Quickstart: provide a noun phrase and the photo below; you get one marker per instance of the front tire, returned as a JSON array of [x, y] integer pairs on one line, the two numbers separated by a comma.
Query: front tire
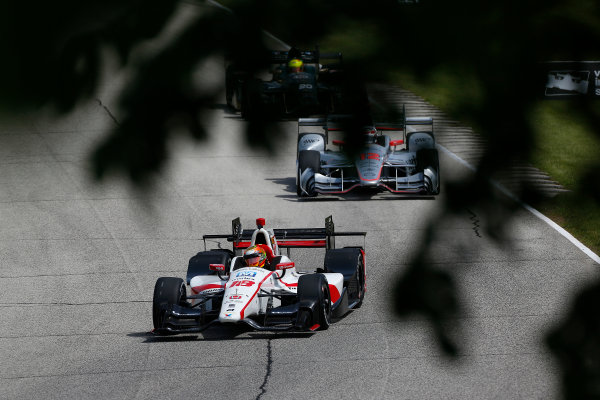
[[429, 158], [167, 291], [315, 302], [308, 159]]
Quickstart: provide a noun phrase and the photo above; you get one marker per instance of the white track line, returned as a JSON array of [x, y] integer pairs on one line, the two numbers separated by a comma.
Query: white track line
[[532, 210]]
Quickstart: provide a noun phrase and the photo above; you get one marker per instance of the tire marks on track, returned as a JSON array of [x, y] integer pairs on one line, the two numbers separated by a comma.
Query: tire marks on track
[[475, 220]]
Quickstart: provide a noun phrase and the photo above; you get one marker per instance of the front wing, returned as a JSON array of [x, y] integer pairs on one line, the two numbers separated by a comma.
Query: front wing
[[179, 319], [396, 179]]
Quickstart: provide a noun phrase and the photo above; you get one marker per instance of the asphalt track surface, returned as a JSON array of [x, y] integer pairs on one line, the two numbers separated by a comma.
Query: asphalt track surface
[[78, 264]]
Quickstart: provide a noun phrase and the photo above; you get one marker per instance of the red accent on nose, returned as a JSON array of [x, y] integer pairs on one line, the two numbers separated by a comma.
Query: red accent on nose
[[260, 222]]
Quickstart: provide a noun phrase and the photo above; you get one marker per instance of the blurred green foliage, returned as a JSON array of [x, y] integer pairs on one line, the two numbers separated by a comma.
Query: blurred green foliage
[[487, 52]]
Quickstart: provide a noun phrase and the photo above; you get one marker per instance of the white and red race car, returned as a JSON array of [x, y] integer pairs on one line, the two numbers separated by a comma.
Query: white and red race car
[[222, 289]]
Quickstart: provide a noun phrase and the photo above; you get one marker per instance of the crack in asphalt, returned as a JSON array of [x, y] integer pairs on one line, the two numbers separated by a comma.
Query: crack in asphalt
[[110, 114], [263, 388]]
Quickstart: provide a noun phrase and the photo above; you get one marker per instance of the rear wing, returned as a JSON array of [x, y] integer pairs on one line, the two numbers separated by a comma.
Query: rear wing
[[288, 238], [335, 122], [309, 56]]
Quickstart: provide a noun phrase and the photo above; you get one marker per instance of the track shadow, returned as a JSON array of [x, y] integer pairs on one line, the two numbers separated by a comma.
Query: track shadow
[[288, 183], [220, 334], [225, 108]]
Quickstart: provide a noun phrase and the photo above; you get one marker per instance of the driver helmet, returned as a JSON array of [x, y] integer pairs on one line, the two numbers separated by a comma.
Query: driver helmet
[[255, 256], [295, 65], [370, 134]]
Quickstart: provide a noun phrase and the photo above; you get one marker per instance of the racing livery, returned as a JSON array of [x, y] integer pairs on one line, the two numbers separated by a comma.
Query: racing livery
[[221, 288], [405, 165]]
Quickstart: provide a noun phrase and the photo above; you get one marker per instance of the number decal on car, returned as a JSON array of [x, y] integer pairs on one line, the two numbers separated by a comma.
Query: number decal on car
[[370, 156], [242, 283]]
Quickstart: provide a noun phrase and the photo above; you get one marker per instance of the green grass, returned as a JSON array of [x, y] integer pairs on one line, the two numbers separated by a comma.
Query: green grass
[[441, 87], [566, 148]]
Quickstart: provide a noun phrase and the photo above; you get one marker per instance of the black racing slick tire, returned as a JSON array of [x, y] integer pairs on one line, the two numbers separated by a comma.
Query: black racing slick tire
[[298, 188], [251, 107], [167, 291], [314, 302], [308, 159], [200, 263], [359, 281], [429, 158], [229, 87], [349, 262]]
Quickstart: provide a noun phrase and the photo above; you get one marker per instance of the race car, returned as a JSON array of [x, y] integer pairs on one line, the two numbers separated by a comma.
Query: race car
[[407, 164], [314, 88], [223, 288]]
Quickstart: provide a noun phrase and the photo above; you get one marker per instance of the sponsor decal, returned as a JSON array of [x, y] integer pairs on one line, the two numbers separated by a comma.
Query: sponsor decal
[[212, 290], [236, 297], [211, 287], [228, 315], [242, 283], [565, 79], [250, 274]]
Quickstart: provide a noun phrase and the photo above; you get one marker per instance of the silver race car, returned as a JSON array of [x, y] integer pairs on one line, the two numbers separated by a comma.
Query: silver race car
[[405, 164]]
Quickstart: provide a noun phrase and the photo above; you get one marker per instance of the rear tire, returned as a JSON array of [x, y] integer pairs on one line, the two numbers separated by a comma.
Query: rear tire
[[200, 263], [229, 87], [349, 262], [314, 289], [252, 106], [167, 291], [360, 281]]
